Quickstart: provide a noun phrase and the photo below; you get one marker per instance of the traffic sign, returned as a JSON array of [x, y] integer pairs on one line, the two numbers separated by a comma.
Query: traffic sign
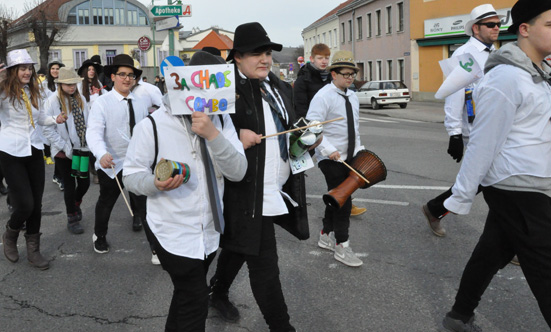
[[171, 60], [144, 43], [168, 23], [171, 10]]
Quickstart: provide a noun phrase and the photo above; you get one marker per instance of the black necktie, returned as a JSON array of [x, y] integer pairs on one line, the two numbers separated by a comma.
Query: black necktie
[[214, 197], [278, 120], [351, 131], [488, 50], [132, 116]]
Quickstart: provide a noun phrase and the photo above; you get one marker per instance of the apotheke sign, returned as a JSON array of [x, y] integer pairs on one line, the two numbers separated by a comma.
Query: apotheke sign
[[455, 25]]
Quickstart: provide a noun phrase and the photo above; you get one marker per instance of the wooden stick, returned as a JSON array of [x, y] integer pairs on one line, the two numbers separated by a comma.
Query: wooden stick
[[308, 126], [122, 192], [353, 170]]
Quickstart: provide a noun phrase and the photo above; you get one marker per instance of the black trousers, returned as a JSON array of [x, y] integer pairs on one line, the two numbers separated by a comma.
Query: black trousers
[[109, 192], [75, 188], [189, 305], [517, 223], [436, 205], [336, 220], [25, 178], [263, 276]]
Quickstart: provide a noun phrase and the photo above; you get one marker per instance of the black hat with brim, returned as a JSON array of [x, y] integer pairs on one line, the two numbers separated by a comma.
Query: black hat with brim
[[205, 58], [121, 60], [88, 63], [525, 10], [250, 37]]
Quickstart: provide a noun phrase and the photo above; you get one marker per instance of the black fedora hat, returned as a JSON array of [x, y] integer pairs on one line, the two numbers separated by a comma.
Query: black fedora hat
[[211, 50], [525, 10], [121, 60], [87, 63], [205, 58], [249, 37]]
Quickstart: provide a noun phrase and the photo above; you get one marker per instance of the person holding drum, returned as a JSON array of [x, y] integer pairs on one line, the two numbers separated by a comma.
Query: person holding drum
[[341, 141], [181, 221]]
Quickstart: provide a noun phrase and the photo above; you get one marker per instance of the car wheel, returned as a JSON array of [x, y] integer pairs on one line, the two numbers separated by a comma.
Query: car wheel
[[374, 104], [403, 105]]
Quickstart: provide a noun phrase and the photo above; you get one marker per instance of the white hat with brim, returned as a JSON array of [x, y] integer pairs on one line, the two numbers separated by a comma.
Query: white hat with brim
[[19, 57], [68, 76], [478, 14]]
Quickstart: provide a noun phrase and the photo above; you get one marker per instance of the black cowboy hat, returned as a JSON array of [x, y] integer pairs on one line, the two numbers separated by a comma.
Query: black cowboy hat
[[122, 60], [87, 63], [525, 10], [249, 37], [55, 62]]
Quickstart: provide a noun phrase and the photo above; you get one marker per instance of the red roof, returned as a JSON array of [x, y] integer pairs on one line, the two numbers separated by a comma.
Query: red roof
[[213, 39], [50, 8]]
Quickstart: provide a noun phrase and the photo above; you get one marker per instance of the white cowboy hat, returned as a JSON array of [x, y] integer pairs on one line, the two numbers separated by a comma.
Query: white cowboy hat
[[478, 14], [19, 57]]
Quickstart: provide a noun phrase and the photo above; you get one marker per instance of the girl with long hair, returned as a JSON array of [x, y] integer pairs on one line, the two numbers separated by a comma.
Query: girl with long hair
[[21, 159], [69, 143]]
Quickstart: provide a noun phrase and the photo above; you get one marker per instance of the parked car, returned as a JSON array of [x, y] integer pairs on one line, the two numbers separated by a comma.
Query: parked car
[[379, 93]]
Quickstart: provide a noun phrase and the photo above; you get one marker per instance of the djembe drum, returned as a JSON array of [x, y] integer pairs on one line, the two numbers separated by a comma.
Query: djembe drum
[[367, 164]]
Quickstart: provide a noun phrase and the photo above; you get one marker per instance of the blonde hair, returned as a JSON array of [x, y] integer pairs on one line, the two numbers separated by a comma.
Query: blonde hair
[[63, 100]]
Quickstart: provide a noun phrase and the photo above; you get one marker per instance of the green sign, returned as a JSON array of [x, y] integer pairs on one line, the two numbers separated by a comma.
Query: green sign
[[167, 10]]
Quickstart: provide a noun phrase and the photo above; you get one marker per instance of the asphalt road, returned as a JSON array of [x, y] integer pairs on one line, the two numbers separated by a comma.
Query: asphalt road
[[407, 283]]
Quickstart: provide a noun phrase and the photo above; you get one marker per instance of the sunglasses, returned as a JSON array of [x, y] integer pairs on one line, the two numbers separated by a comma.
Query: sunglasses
[[491, 25]]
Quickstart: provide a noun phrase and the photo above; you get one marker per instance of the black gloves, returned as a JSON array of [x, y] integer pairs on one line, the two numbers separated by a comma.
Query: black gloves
[[455, 149]]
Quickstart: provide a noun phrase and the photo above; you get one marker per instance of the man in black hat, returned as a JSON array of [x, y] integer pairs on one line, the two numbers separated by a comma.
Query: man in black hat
[[508, 155], [251, 206], [110, 127], [175, 206]]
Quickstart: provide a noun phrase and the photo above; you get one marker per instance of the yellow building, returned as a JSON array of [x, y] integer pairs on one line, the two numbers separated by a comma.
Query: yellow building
[[437, 29]]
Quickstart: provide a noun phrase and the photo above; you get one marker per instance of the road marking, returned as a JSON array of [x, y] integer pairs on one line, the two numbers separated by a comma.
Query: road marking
[[376, 201], [389, 186], [376, 120]]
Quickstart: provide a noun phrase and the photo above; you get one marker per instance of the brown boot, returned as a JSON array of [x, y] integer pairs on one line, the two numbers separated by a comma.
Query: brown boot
[[10, 244], [33, 252]]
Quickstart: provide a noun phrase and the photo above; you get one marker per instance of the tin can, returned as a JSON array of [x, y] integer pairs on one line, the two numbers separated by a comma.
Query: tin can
[[166, 169], [301, 145]]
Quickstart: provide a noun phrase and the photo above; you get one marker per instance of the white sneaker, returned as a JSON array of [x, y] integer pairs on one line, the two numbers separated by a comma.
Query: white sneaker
[[327, 241], [345, 255], [154, 259]]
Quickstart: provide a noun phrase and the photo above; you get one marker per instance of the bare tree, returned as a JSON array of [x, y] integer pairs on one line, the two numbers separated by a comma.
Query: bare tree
[[7, 15]]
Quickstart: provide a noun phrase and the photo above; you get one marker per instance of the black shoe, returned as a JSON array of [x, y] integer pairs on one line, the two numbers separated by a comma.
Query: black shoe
[[10, 207], [78, 211], [3, 189], [137, 223], [227, 310], [73, 225], [100, 244], [457, 325]]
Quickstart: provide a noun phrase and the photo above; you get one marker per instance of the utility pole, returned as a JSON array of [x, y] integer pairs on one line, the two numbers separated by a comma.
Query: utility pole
[[152, 24]]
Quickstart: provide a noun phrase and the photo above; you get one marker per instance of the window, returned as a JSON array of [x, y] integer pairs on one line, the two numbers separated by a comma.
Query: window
[[370, 70], [343, 32], [78, 57], [379, 70], [161, 55], [109, 55], [107, 12], [368, 23], [336, 37], [54, 55], [349, 30], [359, 27], [400, 16], [389, 19], [389, 69], [401, 73], [378, 18], [324, 41]]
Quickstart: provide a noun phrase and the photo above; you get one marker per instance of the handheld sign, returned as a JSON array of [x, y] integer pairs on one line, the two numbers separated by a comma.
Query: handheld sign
[[460, 72], [207, 88], [171, 60]]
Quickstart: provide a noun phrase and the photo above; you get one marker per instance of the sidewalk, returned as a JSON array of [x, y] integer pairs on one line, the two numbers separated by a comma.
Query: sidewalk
[[416, 110]]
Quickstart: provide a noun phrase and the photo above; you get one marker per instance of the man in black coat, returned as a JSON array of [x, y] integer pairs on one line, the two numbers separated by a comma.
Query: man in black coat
[[251, 206]]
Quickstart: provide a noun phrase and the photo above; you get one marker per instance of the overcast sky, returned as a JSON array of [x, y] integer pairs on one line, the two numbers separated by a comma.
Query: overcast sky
[[283, 19]]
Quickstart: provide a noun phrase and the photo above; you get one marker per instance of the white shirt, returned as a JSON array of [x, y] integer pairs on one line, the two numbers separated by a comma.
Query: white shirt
[[510, 137], [181, 219], [149, 93], [109, 127], [328, 104], [276, 171], [456, 120], [60, 139], [17, 134], [46, 91]]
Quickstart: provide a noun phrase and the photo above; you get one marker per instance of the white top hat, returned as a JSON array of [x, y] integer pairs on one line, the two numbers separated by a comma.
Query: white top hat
[[478, 14], [19, 57]]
